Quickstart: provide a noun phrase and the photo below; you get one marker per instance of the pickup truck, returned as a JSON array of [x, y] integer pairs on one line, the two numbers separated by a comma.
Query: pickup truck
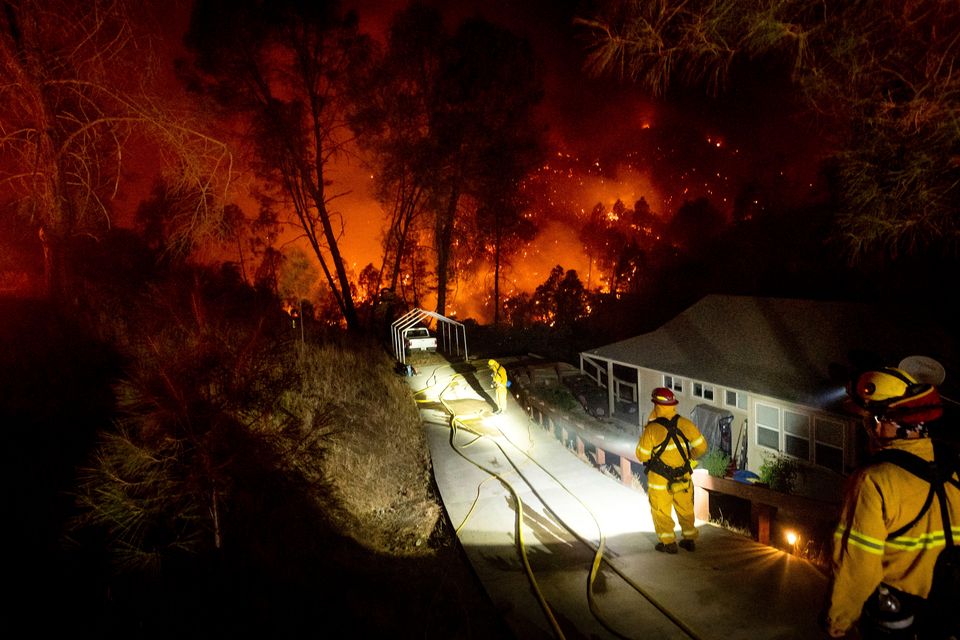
[[419, 339]]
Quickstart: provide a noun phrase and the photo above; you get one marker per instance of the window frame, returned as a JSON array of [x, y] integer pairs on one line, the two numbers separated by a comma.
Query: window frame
[[674, 383], [738, 396], [807, 431], [704, 390]]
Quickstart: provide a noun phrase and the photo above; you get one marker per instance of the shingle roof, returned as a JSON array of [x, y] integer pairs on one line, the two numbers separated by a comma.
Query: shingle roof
[[783, 348]]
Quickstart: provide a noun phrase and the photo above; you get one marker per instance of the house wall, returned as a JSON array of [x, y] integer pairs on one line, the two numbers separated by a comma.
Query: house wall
[[815, 439]]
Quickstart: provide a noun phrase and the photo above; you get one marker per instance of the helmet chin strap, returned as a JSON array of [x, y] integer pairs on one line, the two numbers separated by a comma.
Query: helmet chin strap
[[902, 432], [918, 431]]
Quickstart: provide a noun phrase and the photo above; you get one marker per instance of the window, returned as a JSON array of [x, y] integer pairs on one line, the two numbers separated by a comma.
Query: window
[[796, 435], [813, 438], [675, 384], [735, 399], [828, 444], [704, 391], [768, 426]]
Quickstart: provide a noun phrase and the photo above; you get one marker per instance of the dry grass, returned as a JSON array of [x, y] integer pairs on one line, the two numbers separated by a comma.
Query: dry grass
[[376, 458]]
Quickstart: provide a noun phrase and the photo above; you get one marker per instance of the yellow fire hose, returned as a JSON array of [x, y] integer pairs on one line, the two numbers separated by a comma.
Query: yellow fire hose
[[458, 422]]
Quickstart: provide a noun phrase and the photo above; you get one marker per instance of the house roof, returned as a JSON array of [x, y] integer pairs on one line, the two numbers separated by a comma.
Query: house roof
[[794, 350]]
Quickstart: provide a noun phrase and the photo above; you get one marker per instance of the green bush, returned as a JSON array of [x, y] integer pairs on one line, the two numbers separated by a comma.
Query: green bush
[[716, 462], [779, 472], [558, 397]]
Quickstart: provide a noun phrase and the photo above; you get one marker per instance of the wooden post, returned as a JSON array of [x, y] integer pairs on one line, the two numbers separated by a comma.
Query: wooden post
[[760, 517], [601, 457], [626, 471], [701, 502], [610, 399], [580, 447]]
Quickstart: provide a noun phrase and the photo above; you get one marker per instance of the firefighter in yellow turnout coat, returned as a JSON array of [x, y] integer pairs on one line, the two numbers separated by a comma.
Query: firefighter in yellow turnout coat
[[874, 557], [500, 383], [668, 446]]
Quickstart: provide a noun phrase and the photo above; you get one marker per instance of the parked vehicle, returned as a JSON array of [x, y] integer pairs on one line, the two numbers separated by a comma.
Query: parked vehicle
[[419, 339]]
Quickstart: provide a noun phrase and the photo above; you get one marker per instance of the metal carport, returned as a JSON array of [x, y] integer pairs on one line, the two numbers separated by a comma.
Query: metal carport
[[449, 331]]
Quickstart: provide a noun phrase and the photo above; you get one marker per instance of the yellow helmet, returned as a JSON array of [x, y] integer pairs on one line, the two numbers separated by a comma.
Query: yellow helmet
[[491, 363], [894, 394]]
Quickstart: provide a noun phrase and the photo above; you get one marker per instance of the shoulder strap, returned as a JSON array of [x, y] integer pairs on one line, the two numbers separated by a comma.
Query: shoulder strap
[[948, 463], [913, 463], [675, 434], [926, 471]]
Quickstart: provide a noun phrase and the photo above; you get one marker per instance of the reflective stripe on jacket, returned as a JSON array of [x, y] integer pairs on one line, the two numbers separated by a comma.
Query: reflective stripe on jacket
[[880, 499]]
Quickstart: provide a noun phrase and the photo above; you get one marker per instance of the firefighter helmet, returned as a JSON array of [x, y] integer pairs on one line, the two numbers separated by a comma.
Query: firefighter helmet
[[895, 395], [662, 395]]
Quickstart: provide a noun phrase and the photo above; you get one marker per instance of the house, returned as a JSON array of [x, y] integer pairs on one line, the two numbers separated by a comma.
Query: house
[[777, 367]]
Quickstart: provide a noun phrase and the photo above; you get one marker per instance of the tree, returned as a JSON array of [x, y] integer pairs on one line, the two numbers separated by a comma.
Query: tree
[[617, 242], [298, 279], [78, 99], [696, 226], [881, 74], [489, 87], [199, 427], [391, 116], [502, 220], [283, 66], [561, 299], [448, 119]]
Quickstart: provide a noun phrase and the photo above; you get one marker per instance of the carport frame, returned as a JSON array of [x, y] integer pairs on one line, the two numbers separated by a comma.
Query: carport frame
[[449, 330]]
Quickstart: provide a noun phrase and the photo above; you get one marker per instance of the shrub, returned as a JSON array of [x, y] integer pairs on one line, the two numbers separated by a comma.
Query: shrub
[[716, 462], [558, 397], [779, 472]]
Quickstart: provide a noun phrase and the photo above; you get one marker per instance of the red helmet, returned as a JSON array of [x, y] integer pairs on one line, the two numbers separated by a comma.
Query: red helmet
[[662, 395]]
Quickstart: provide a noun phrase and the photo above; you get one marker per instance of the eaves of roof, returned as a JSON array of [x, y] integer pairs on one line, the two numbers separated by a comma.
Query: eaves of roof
[[794, 350]]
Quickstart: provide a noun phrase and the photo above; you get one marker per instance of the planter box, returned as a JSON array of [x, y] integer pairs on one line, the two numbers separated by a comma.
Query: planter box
[[764, 503]]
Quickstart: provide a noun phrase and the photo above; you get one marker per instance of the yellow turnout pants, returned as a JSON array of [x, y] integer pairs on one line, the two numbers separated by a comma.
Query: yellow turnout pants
[[664, 498]]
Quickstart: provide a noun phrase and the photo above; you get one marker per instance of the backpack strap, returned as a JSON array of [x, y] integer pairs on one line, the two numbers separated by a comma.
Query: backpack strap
[[928, 471], [674, 434]]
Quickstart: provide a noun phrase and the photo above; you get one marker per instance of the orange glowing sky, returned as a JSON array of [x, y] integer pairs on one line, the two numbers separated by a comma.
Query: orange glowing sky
[[606, 141]]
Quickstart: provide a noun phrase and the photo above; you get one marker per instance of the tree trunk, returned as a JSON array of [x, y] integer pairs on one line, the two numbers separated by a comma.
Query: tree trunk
[[444, 239]]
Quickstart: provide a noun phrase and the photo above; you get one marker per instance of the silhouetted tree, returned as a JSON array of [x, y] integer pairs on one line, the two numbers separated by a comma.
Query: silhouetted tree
[[881, 73], [561, 299], [78, 96], [502, 224], [283, 66], [617, 241], [448, 117], [487, 138], [392, 115], [696, 225]]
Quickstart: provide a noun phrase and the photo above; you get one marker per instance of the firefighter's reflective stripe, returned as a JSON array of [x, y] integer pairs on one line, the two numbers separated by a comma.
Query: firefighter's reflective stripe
[[930, 541], [643, 453], [882, 499], [860, 540], [656, 487]]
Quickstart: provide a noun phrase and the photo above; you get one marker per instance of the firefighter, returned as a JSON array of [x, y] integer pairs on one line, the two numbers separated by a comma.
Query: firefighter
[[888, 537], [668, 448], [500, 384]]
